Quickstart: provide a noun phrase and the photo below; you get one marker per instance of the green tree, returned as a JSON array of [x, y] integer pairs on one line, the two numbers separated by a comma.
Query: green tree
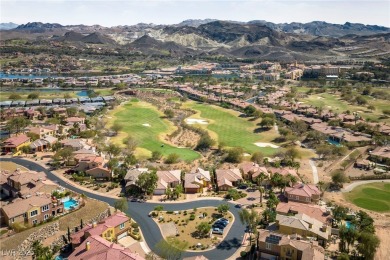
[[223, 208], [66, 154], [42, 252], [204, 143], [177, 191], [156, 155], [249, 110], [339, 177], [34, 95], [172, 158], [16, 124], [234, 155], [147, 182], [339, 213], [14, 96], [116, 127], [121, 205], [26, 149], [368, 244], [71, 111], [267, 123], [113, 150], [257, 157], [203, 229], [251, 219], [169, 113], [292, 153]]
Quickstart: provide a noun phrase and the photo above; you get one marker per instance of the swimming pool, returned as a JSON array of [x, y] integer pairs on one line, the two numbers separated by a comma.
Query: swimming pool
[[348, 224], [330, 141], [70, 203]]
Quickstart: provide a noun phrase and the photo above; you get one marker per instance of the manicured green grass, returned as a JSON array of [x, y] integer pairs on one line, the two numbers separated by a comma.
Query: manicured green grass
[[374, 196], [227, 127], [133, 117], [331, 101]]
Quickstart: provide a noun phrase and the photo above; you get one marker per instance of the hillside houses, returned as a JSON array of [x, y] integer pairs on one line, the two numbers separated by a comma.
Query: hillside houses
[[303, 193]]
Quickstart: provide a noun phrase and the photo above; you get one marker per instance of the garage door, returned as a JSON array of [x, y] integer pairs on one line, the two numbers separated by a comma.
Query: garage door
[[267, 256], [159, 192], [122, 235]]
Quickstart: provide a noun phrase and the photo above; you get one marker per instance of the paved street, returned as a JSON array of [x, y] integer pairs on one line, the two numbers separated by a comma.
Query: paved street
[[151, 232]]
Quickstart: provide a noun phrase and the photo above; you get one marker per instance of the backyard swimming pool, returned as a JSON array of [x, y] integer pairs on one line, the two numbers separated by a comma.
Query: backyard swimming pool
[[348, 224], [70, 203]]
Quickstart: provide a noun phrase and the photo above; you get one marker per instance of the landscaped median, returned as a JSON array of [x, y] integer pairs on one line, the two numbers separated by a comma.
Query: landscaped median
[[194, 229]]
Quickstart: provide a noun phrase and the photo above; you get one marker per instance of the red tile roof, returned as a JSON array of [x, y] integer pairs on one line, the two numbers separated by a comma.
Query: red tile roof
[[101, 249], [16, 140]]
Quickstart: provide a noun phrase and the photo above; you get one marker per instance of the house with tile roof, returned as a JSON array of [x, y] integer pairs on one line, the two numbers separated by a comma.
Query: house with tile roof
[[32, 210], [280, 246], [304, 226], [97, 248], [251, 171], [312, 210], [228, 178], [196, 181], [13, 144], [131, 178], [112, 229], [167, 179], [303, 193], [22, 183]]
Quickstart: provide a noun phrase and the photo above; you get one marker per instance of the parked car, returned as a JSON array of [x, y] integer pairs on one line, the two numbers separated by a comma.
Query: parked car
[[221, 222], [224, 219], [238, 206], [217, 231], [219, 226], [243, 187]]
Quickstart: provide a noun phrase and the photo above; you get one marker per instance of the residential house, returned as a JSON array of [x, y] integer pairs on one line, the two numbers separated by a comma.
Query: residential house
[[167, 179], [96, 247], [304, 226], [112, 229], [314, 211], [22, 183], [251, 171], [381, 155], [74, 144], [132, 177], [303, 193], [13, 144], [279, 246], [99, 173], [32, 210], [42, 144], [42, 131], [88, 161], [197, 180], [227, 179]]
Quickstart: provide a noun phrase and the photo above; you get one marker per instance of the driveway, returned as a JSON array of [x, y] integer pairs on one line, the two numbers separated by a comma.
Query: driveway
[[151, 232]]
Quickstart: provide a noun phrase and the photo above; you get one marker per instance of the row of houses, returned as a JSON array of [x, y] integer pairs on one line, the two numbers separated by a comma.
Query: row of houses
[[56, 101]]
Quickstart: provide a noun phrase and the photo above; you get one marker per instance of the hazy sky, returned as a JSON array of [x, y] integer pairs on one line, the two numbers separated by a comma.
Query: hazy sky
[[115, 12]]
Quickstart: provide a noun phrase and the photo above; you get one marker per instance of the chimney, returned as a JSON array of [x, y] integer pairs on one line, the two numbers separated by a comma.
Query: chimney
[[87, 245], [94, 224]]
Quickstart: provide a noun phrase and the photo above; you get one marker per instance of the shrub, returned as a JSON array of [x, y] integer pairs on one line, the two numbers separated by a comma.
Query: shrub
[[243, 254], [134, 225], [192, 216]]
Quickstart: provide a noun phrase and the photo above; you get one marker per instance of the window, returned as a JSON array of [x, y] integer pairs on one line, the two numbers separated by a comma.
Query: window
[[297, 197], [45, 208], [25, 215], [268, 246], [122, 226], [11, 220], [35, 221], [46, 216], [33, 213]]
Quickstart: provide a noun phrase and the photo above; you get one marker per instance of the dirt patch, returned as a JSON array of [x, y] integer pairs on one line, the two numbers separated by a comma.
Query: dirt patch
[[10, 166]]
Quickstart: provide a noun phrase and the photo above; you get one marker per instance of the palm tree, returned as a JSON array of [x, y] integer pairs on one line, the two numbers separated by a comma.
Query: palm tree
[[261, 190], [251, 219]]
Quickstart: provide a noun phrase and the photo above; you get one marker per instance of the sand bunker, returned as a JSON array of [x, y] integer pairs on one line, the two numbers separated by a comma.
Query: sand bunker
[[192, 121], [320, 98], [266, 145], [246, 154], [147, 125]]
